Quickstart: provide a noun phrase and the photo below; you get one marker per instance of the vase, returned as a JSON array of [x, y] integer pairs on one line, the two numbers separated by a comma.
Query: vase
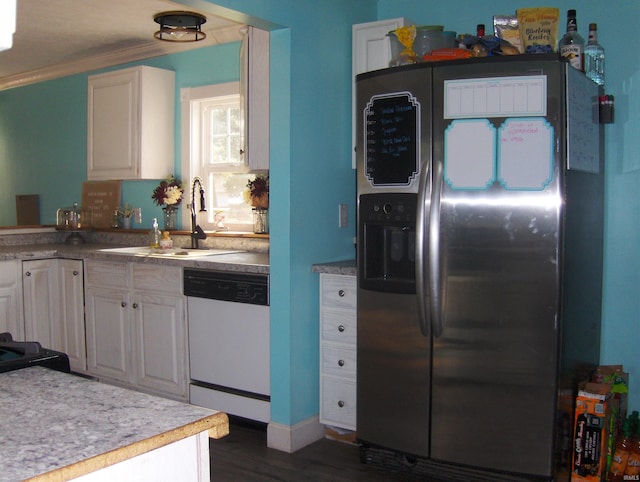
[[126, 222], [170, 218], [260, 220]]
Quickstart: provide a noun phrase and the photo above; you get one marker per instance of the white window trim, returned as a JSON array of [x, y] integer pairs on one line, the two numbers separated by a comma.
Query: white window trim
[[190, 151]]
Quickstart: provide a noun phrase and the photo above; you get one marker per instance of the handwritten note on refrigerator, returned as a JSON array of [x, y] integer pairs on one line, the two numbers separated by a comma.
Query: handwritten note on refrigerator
[[496, 97], [525, 154]]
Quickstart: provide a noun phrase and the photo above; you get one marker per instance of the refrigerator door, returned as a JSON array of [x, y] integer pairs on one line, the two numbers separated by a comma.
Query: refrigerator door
[[498, 145], [393, 356]]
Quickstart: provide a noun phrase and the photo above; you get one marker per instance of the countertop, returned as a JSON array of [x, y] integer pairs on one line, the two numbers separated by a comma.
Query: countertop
[[57, 426], [247, 262], [346, 268]]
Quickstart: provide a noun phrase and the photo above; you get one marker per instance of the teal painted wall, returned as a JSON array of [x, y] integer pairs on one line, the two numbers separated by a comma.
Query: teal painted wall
[[617, 32], [43, 133], [310, 175]]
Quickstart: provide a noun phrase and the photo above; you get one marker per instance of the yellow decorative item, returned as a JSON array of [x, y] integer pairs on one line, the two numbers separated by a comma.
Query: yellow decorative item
[[402, 40], [406, 36]]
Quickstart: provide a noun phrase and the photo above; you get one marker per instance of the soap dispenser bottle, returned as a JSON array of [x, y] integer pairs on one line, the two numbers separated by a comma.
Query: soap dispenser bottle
[[154, 235]]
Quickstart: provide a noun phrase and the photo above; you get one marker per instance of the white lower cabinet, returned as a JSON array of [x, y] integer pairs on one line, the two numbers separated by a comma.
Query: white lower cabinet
[[71, 299], [41, 304], [136, 326], [338, 350], [11, 318], [53, 303]]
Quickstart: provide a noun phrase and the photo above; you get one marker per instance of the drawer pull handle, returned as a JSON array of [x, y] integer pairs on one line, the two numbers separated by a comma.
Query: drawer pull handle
[[340, 404], [28, 273], [75, 273], [123, 304], [135, 306], [341, 328], [341, 363], [341, 293]]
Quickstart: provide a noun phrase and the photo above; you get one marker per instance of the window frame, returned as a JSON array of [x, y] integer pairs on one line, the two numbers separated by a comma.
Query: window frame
[[191, 150]]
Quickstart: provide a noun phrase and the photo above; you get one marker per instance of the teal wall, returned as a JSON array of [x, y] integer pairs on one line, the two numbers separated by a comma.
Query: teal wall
[[617, 32], [43, 133], [43, 144]]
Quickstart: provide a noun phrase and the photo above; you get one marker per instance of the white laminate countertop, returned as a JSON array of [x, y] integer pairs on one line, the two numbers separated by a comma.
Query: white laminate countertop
[[245, 262], [57, 426], [345, 268]]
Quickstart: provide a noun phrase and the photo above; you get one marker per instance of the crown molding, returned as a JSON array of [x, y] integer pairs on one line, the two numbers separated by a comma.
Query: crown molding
[[109, 59]]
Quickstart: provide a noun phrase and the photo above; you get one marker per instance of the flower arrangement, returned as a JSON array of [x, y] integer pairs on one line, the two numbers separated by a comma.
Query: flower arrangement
[[126, 211], [169, 192], [257, 192]]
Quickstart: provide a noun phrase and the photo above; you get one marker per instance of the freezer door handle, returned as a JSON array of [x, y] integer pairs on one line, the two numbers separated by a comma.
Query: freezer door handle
[[422, 297], [435, 275]]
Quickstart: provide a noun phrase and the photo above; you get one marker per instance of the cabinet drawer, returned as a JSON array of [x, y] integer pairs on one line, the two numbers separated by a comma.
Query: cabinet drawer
[[106, 273], [167, 279], [339, 326], [338, 402], [340, 362], [338, 292]]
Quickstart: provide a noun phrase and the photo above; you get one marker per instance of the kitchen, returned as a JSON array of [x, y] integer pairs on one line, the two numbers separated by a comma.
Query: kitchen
[[311, 165]]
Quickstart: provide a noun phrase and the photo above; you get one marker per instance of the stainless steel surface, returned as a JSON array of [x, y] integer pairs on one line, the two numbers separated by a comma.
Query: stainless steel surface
[[510, 280]]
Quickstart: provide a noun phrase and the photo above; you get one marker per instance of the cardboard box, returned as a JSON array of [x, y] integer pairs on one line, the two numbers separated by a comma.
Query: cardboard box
[[592, 424]]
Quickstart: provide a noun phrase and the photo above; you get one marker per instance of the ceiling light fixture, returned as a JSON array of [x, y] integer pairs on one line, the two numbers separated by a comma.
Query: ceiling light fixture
[[180, 26], [7, 23]]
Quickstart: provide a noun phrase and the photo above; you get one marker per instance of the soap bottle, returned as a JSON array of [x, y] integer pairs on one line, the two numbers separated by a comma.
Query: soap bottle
[[166, 242], [154, 235]]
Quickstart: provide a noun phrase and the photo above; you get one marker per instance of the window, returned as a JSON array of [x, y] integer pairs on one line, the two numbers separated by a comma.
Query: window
[[212, 140]]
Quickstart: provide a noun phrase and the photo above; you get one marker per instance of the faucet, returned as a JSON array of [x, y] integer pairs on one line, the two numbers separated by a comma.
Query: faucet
[[196, 231]]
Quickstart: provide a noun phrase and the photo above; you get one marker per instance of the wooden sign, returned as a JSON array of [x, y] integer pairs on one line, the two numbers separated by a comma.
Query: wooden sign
[[101, 198]]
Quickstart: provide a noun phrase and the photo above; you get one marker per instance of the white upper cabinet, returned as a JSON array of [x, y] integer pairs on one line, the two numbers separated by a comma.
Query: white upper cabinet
[[130, 124], [254, 98], [371, 50]]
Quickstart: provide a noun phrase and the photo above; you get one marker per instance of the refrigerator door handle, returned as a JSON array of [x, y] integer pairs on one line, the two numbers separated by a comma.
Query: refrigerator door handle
[[424, 320], [435, 277]]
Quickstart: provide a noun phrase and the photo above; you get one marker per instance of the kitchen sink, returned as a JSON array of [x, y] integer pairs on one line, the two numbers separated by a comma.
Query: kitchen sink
[[183, 253]]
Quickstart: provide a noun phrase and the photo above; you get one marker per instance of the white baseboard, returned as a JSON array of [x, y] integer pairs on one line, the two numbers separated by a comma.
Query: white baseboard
[[289, 438]]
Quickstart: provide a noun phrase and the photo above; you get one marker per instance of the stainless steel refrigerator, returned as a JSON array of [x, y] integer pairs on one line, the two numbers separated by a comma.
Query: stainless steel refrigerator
[[479, 253]]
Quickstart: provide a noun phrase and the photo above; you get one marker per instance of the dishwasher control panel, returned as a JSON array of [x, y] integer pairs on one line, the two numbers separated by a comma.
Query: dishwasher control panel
[[248, 288]]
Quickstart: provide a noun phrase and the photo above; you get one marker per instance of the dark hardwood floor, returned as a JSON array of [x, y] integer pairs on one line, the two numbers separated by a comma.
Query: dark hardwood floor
[[243, 456]]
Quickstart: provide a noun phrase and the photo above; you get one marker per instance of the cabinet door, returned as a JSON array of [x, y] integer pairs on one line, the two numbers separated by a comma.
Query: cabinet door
[[41, 307], [130, 124], [161, 351], [112, 125], [71, 296], [254, 98], [11, 319], [108, 334]]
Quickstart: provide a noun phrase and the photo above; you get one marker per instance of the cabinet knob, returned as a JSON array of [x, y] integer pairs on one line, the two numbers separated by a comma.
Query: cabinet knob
[[75, 273], [341, 328], [341, 363], [341, 293], [123, 303], [28, 273], [340, 403], [135, 306]]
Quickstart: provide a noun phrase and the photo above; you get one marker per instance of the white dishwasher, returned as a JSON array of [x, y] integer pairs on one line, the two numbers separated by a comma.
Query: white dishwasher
[[229, 342]]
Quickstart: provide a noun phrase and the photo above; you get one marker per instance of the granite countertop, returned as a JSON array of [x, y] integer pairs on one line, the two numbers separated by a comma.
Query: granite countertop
[[246, 261], [347, 268], [58, 426]]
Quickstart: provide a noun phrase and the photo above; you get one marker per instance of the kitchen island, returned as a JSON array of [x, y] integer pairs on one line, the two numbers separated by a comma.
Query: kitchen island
[[58, 426]]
